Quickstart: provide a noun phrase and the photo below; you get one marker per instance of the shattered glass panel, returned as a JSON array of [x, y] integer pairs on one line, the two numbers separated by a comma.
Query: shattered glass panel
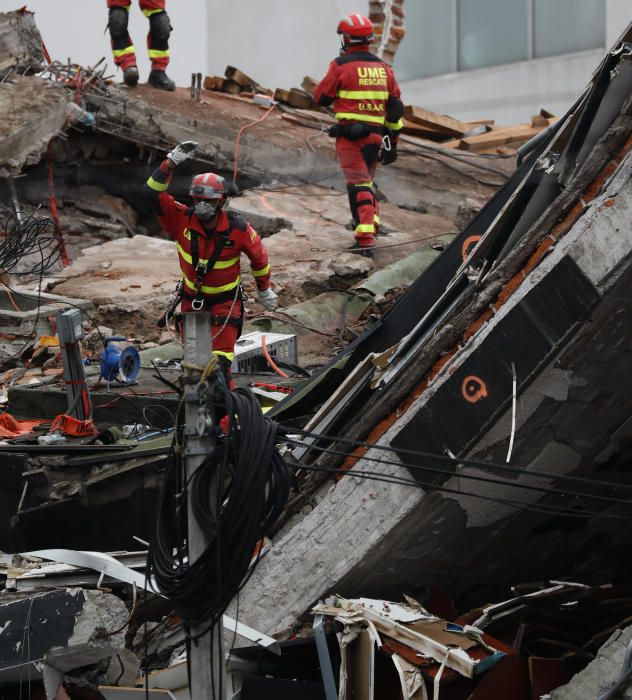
[[492, 32], [566, 26], [427, 46]]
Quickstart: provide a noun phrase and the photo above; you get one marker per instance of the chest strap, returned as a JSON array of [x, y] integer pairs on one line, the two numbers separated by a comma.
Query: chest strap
[[202, 268]]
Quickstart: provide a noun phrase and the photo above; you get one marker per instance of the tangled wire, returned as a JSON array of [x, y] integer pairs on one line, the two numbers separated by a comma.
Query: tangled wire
[[253, 489], [21, 237]]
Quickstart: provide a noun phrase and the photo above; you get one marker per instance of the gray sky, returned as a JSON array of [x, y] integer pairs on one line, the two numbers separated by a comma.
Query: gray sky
[[76, 29]]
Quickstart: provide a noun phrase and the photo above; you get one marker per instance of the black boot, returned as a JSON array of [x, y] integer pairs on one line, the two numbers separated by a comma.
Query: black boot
[[159, 79], [366, 251], [130, 76]]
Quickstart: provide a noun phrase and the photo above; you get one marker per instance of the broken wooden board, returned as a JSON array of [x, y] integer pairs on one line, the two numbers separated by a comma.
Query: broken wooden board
[[413, 129], [539, 121], [494, 138], [213, 82], [309, 84], [440, 123], [281, 95], [231, 87], [238, 77], [300, 98], [480, 122]]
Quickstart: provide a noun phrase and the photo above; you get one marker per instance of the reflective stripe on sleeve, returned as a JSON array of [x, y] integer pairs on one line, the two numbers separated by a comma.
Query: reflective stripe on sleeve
[[262, 272], [395, 126], [157, 186]]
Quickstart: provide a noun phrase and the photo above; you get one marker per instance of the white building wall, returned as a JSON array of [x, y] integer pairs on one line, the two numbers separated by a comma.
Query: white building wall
[[511, 93], [277, 42]]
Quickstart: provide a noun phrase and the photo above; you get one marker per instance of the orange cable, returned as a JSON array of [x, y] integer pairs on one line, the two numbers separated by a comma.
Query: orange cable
[[243, 128], [266, 354], [13, 304]]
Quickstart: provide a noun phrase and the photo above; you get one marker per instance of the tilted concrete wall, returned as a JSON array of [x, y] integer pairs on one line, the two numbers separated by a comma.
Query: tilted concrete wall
[[365, 537]]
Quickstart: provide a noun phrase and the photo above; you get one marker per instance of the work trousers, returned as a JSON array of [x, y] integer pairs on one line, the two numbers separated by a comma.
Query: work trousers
[[123, 49], [358, 160]]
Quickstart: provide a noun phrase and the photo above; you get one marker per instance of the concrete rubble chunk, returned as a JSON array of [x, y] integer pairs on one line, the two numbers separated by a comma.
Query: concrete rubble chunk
[[67, 628], [601, 674], [31, 113], [20, 41]]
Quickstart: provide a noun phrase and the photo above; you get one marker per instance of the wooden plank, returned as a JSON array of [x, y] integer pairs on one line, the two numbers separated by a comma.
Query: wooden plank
[[300, 98], [480, 122], [231, 87], [281, 95], [540, 121], [213, 82], [309, 84], [415, 129], [238, 76], [436, 122], [498, 137]]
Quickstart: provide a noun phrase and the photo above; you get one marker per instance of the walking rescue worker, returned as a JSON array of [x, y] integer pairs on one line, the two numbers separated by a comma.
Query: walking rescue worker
[[209, 241], [123, 48], [366, 102]]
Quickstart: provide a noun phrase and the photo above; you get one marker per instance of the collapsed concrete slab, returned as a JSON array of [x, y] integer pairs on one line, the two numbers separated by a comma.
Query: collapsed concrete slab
[[21, 45], [570, 304], [32, 111], [64, 629]]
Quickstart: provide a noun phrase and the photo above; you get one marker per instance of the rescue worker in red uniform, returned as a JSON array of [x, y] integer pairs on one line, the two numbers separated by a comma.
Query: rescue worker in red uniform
[[366, 102], [123, 48], [209, 241]]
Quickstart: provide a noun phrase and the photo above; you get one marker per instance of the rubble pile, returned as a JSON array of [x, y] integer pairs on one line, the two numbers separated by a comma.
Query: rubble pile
[[448, 416]]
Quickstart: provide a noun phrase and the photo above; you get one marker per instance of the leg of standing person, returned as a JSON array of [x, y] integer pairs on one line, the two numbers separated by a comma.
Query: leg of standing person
[[158, 43], [358, 160], [123, 49]]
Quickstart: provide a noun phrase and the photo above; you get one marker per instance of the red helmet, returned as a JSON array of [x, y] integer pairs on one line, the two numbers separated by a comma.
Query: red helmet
[[208, 186], [355, 29]]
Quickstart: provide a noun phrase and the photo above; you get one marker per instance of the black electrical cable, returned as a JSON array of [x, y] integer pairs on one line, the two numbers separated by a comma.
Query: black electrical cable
[[542, 508], [476, 477], [457, 461], [26, 236], [253, 489], [297, 369]]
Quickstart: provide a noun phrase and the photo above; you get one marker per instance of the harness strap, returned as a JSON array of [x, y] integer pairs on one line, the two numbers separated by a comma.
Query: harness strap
[[201, 270], [208, 302]]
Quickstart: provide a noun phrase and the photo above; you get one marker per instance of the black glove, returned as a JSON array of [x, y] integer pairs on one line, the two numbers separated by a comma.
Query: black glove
[[389, 157]]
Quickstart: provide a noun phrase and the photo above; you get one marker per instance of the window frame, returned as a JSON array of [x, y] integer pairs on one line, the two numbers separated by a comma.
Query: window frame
[[530, 13]]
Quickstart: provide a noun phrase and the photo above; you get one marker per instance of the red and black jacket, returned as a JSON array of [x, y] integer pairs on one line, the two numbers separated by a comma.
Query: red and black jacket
[[196, 246], [362, 88]]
